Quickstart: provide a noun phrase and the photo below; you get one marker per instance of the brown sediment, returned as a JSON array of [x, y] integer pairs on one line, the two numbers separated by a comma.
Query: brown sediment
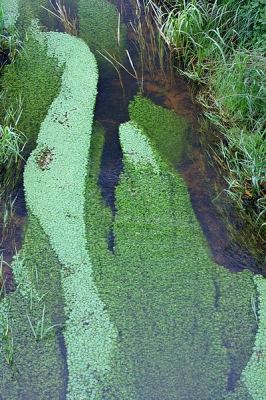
[[174, 96], [200, 176]]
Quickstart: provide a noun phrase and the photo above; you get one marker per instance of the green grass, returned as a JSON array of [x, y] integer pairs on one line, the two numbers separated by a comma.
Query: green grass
[[221, 45]]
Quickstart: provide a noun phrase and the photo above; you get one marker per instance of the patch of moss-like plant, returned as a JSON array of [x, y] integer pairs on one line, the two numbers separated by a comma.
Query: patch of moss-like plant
[[252, 382], [100, 28], [172, 305], [32, 9], [56, 196], [10, 12], [33, 367], [36, 78], [166, 130], [254, 375]]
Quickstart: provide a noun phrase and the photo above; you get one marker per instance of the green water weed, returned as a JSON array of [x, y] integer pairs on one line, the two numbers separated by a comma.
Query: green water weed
[[20, 272]]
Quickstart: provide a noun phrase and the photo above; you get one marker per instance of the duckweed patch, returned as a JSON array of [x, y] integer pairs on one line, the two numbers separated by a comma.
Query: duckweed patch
[[55, 196], [184, 323], [254, 375]]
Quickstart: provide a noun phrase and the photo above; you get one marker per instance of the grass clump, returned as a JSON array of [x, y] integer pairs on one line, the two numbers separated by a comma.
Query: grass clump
[[245, 156], [221, 46]]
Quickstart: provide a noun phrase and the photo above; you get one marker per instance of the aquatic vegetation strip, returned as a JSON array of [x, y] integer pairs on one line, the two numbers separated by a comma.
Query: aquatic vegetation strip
[[100, 28], [11, 12], [254, 375], [54, 186], [35, 78], [184, 323], [33, 367]]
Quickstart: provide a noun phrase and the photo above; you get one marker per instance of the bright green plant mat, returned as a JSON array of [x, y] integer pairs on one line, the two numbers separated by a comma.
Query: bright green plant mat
[[167, 130], [254, 375], [184, 323], [54, 184]]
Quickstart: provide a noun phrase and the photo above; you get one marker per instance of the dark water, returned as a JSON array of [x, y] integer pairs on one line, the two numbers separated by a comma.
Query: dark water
[[11, 231]]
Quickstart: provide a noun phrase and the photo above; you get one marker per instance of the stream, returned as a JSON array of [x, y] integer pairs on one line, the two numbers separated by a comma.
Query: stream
[[202, 179]]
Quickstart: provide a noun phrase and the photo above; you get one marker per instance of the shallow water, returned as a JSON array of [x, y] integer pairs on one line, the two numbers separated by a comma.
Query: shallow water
[[111, 111]]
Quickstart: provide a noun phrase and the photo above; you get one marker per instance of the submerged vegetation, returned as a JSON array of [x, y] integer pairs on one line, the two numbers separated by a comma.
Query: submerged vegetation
[[148, 280], [101, 28], [221, 46], [150, 315]]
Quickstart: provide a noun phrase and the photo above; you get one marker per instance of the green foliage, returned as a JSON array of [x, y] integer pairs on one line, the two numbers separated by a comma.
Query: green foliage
[[99, 27], [55, 196], [136, 148], [11, 139], [245, 157], [39, 329], [166, 130], [202, 34], [30, 10], [222, 44], [181, 328], [36, 78], [257, 7], [30, 368], [254, 375], [9, 12], [240, 89]]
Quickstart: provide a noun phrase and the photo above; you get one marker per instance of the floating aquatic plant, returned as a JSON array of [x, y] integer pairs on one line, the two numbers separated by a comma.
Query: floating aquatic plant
[[55, 196]]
